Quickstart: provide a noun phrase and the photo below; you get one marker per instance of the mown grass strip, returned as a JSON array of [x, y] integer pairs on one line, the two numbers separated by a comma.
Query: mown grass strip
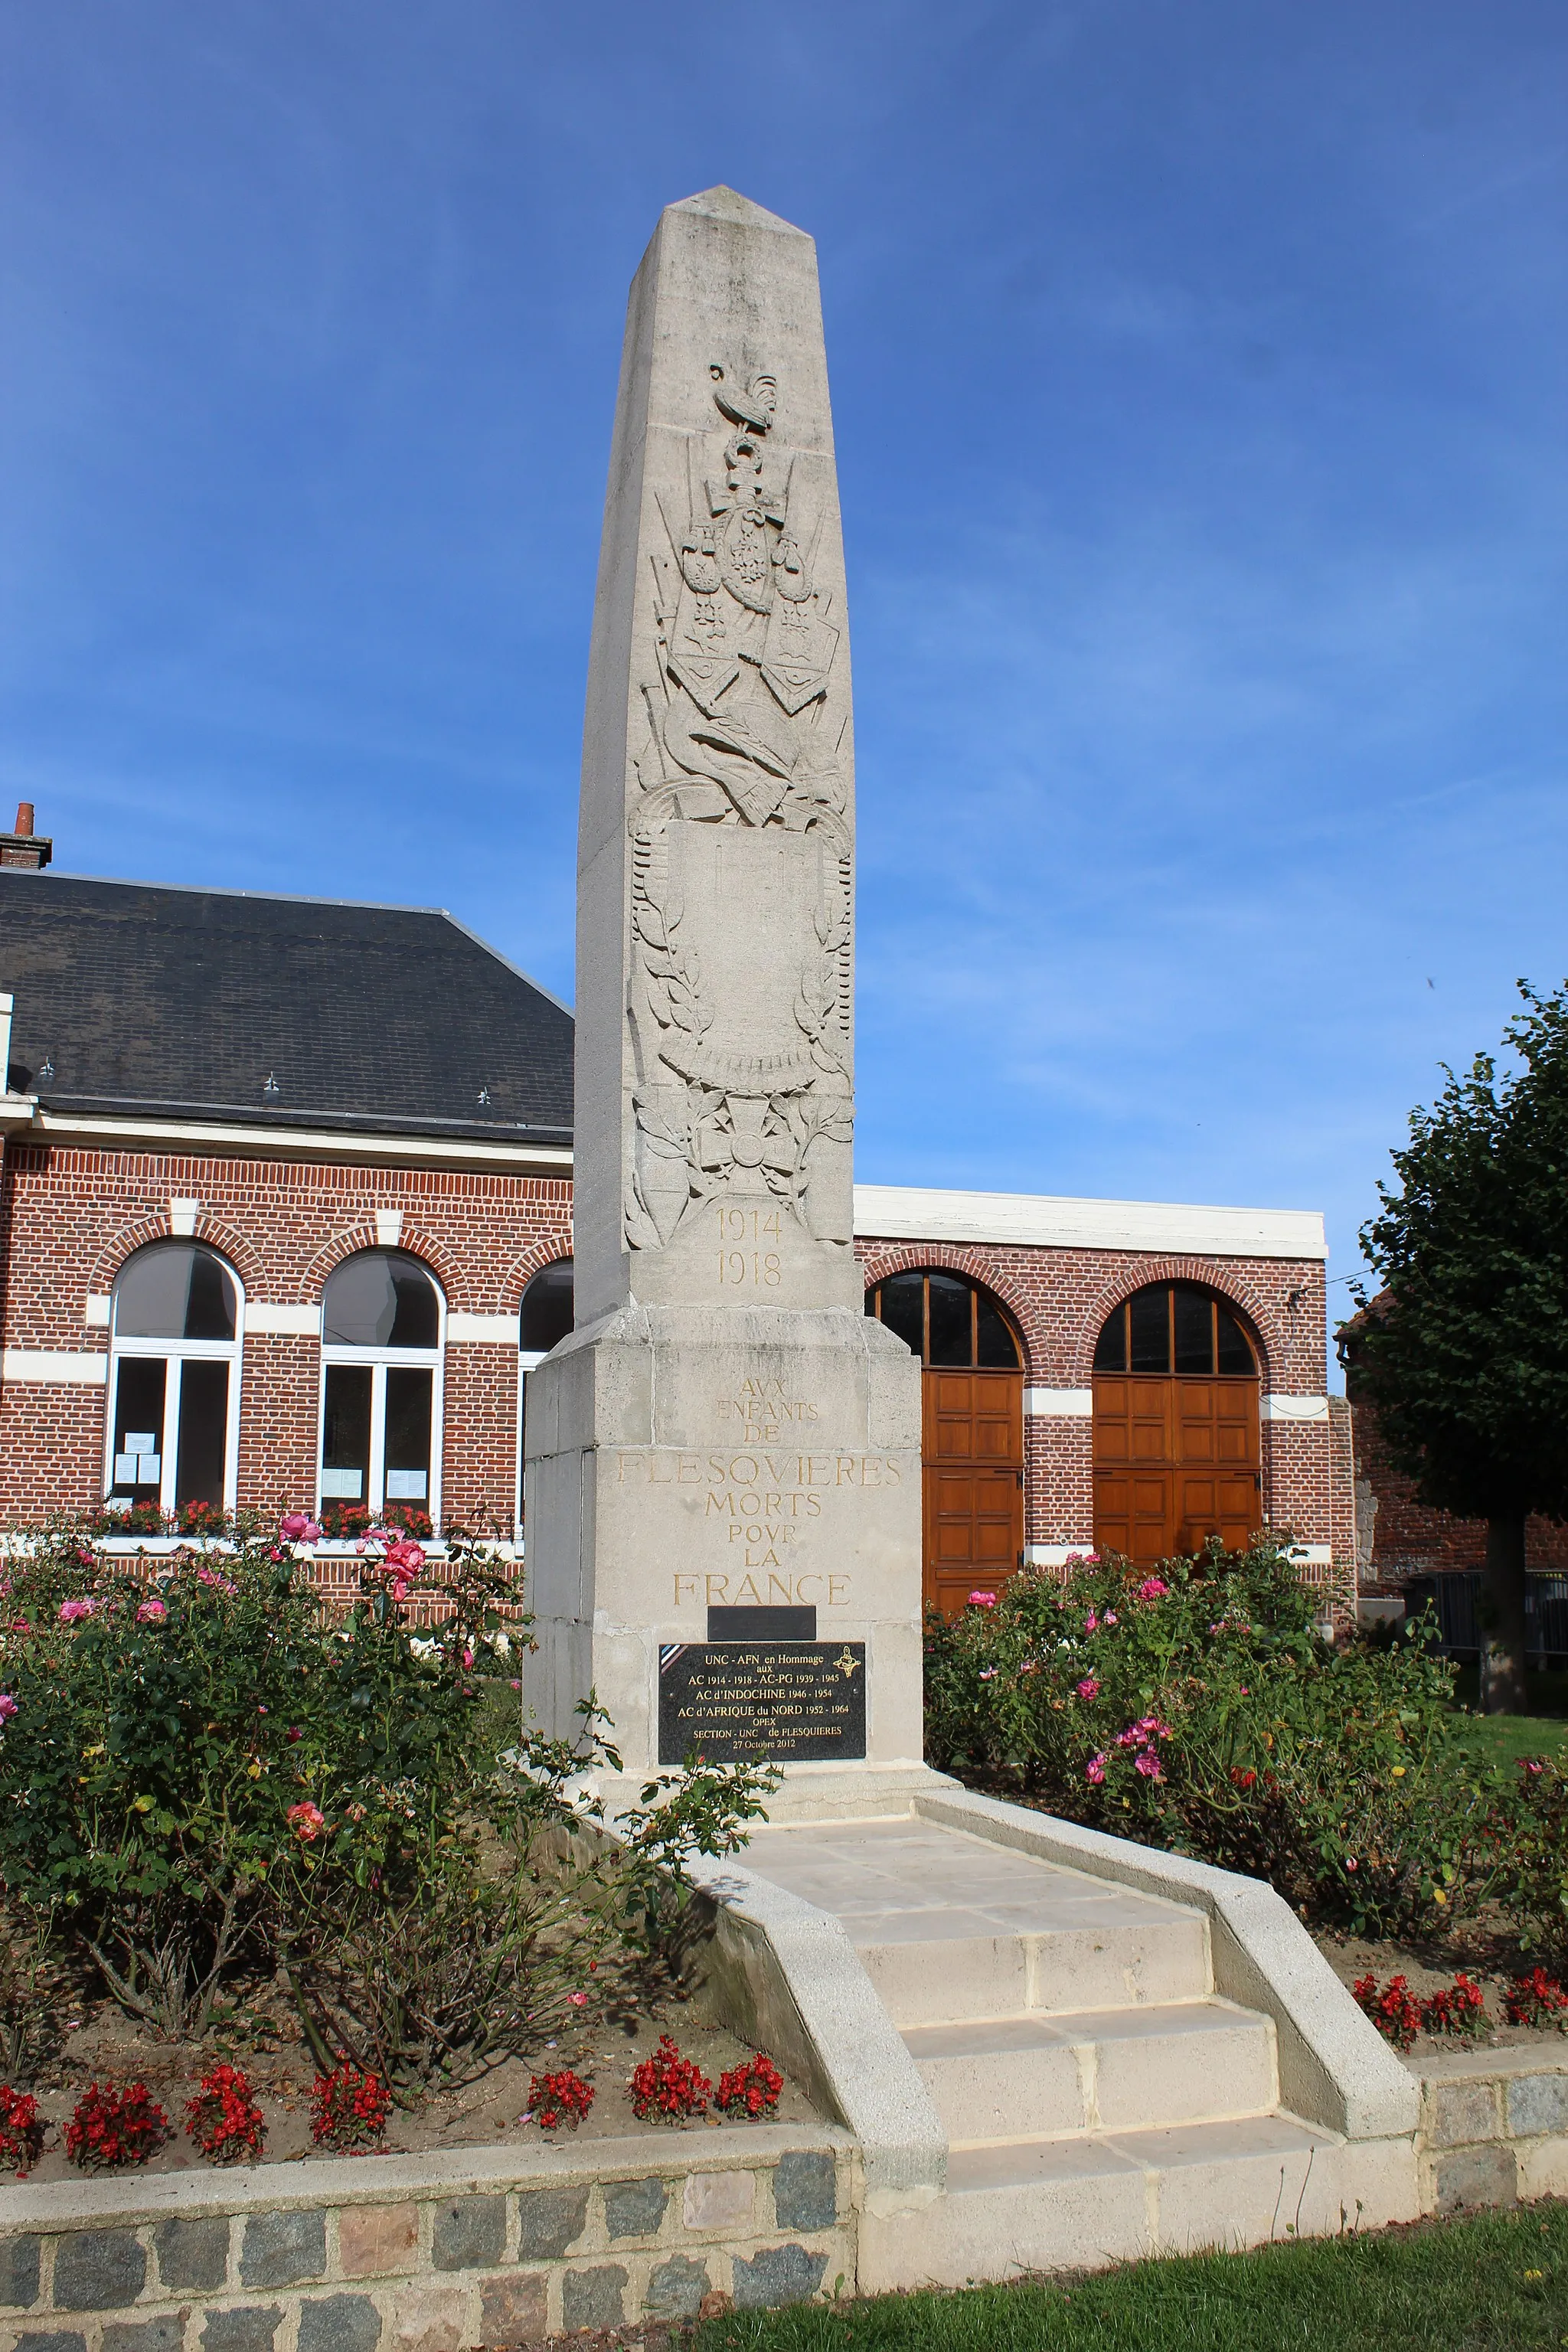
[[1493, 2283]]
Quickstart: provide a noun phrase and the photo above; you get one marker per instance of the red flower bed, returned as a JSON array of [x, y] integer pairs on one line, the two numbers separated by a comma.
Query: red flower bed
[[1399, 2015], [224, 2119], [1535, 1999], [349, 2110], [110, 2128], [752, 2089], [21, 2133], [668, 2085], [560, 2099], [1457, 2009]]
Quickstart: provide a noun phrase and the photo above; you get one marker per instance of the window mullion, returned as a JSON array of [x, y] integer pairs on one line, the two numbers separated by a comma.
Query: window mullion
[[172, 1384], [376, 1477]]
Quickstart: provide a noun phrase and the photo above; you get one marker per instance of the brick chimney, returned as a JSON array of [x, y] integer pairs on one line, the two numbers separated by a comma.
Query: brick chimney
[[24, 846]]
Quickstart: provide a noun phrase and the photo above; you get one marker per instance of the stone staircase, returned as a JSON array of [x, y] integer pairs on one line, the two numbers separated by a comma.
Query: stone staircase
[[1100, 2101]]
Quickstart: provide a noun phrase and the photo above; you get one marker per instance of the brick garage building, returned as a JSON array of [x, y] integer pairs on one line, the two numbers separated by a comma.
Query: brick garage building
[[286, 1213]]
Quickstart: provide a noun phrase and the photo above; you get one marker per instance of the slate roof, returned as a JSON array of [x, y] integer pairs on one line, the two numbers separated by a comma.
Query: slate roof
[[150, 999]]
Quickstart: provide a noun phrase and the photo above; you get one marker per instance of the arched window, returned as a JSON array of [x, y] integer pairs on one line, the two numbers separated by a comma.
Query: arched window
[[174, 1375], [946, 1321], [548, 1313], [383, 1328], [1174, 1328]]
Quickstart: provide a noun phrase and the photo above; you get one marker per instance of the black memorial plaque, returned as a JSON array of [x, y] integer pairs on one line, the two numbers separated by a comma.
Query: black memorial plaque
[[794, 1701]]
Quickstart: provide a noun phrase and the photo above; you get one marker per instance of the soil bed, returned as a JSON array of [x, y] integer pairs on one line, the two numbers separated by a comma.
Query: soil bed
[[109, 2046], [1491, 1961]]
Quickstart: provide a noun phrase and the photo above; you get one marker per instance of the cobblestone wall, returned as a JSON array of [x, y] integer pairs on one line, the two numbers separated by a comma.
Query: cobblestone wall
[[432, 2254]]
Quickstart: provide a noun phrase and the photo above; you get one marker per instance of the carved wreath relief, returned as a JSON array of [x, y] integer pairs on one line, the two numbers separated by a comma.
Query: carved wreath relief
[[741, 858]]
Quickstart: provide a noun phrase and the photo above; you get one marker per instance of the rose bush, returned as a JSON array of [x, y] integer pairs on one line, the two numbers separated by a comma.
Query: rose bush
[[1199, 1708], [205, 1770]]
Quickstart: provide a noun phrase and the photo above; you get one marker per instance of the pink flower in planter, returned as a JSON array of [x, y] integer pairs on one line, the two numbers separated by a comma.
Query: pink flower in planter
[[71, 1610], [1153, 1588], [151, 1613], [309, 1821], [1095, 1768], [299, 1527], [983, 1601], [1089, 1688]]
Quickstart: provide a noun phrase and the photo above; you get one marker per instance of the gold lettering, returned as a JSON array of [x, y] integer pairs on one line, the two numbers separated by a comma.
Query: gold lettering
[[837, 1591], [681, 1596]]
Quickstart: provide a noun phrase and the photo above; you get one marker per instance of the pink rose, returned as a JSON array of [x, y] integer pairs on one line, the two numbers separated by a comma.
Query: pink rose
[[1152, 1588], [1095, 1768], [8, 1707], [1111, 1618], [1089, 1688], [987, 1673], [1091, 1623], [299, 1527], [405, 1556], [1148, 1763], [577, 1999], [70, 1611], [983, 1601], [309, 1821], [151, 1613]]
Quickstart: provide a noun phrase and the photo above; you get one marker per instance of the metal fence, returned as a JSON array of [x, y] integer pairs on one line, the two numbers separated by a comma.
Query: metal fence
[[1454, 1598]]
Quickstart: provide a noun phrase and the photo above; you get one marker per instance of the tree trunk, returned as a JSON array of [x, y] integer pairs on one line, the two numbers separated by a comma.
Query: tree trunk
[[1502, 1619]]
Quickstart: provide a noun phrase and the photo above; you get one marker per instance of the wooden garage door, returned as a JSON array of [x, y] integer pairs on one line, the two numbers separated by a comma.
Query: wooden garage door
[[972, 1394], [1176, 1442], [974, 1457]]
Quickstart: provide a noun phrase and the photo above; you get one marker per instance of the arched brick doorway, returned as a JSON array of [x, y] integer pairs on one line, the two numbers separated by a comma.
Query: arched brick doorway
[[971, 1447], [1177, 1453]]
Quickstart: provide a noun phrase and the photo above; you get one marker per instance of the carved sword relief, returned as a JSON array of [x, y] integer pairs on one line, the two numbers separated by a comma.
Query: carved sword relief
[[740, 843]]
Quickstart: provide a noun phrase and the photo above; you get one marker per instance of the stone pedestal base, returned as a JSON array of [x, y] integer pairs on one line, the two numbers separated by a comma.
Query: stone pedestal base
[[684, 1461]]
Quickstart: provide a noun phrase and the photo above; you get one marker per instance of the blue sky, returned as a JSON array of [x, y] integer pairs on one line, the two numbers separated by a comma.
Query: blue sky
[[1198, 373]]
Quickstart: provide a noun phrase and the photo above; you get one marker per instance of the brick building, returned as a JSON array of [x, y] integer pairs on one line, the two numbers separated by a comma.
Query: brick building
[[285, 1215]]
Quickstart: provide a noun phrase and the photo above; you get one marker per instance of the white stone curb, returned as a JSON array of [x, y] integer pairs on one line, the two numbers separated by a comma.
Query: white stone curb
[[1334, 2067], [788, 1975]]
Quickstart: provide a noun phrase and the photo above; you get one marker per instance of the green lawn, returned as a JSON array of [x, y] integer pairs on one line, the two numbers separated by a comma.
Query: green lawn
[[1498, 2280], [1501, 1738]]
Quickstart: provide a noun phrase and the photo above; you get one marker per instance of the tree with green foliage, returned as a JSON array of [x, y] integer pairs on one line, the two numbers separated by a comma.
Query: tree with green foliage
[[1463, 1353]]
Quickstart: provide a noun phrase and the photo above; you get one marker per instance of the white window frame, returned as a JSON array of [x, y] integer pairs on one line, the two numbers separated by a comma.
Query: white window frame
[[176, 1352], [526, 1360], [381, 1361]]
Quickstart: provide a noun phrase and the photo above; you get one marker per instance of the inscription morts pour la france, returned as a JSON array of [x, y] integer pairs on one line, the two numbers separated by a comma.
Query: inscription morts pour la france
[[725, 1429]]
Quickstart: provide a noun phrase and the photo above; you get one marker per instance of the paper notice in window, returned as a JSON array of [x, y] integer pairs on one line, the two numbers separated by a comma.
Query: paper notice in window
[[341, 1486], [125, 1469], [149, 1469], [406, 1485], [140, 1441]]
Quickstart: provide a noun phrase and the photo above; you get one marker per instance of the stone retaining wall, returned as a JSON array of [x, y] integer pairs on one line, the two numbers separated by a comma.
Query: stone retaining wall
[[489, 2247], [1494, 2128]]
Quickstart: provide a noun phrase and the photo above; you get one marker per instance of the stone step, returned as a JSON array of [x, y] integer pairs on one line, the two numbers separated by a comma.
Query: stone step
[[951, 1965], [1000, 2078], [1080, 2203]]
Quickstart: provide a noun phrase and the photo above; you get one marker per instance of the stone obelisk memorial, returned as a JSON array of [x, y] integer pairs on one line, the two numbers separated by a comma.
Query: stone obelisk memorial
[[723, 1467]]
